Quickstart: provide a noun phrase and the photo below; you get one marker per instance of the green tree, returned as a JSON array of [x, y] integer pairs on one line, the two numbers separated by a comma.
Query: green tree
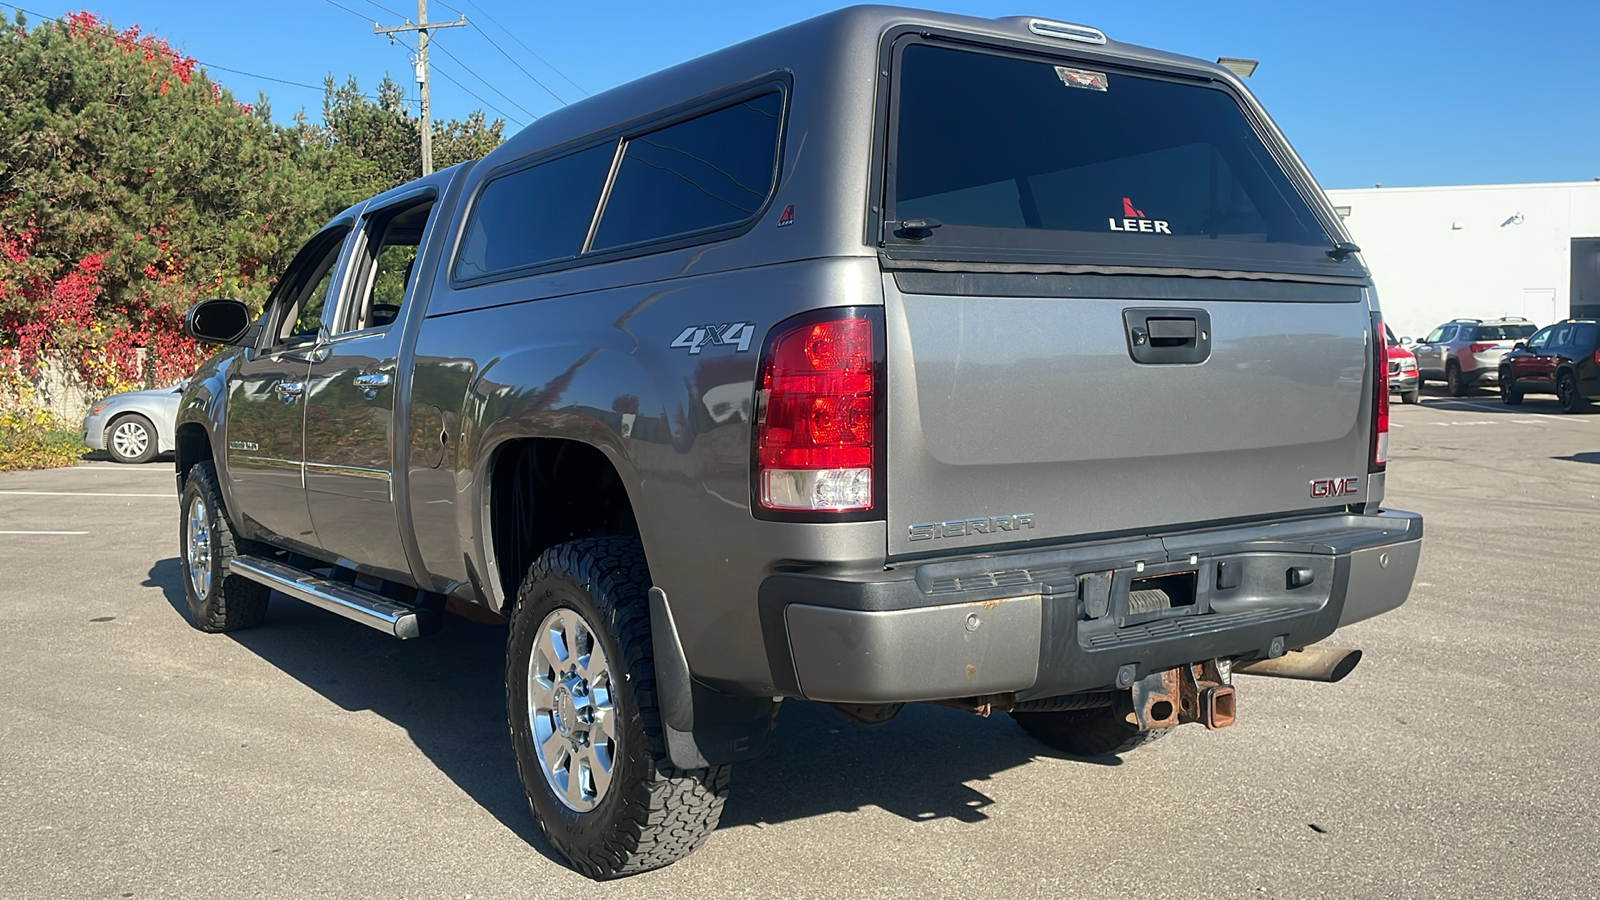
[[132, 185]]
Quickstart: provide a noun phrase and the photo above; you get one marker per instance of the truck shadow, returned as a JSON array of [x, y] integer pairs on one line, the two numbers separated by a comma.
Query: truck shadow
[[447, 691]]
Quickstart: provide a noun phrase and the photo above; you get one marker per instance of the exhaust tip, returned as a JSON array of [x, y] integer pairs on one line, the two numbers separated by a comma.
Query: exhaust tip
[[1344, 666]]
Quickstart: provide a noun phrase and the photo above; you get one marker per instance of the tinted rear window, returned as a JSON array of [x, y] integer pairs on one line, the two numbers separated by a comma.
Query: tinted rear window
[[1144, 165], [708, 172], [534, 215], [1501, 332]]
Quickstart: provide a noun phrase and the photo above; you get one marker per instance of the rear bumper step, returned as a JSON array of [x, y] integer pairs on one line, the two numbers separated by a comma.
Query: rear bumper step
[[1046, 623], [389, 616]]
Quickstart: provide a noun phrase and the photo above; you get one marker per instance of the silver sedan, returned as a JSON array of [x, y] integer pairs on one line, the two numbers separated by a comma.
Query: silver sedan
[[134, 426]]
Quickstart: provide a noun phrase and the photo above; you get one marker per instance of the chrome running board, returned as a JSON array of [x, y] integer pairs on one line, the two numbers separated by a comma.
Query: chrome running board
[[356, 604]]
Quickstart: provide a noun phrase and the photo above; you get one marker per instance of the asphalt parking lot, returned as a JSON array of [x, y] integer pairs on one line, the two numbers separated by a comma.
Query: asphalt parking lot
[[315, 757]]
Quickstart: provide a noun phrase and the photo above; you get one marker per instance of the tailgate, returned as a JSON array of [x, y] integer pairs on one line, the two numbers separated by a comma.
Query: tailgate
[[1020, 418]]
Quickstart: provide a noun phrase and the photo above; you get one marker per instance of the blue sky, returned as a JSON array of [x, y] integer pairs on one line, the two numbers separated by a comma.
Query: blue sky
[[1403, 92]]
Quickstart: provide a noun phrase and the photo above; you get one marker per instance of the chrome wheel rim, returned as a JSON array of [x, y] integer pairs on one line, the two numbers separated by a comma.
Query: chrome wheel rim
[[130, 439], [197, 548], [570, 709], [1566, 393]]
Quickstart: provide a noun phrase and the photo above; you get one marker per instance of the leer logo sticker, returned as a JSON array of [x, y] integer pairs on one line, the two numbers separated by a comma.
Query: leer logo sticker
[[1134, 219]]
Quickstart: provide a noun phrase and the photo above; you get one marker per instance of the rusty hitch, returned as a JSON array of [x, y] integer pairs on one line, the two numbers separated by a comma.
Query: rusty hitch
[[1194, 693]]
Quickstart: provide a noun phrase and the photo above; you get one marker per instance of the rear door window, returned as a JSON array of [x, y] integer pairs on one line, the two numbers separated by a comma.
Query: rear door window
[[1583, 337], [534, 215], [1103, 162], [712, 171]]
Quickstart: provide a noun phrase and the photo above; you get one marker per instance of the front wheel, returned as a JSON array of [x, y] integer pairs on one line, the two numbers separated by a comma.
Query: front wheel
[[1567, 393], [585, 728], [1103, 731], [1509, 394], [1412, 396], [218, 601]]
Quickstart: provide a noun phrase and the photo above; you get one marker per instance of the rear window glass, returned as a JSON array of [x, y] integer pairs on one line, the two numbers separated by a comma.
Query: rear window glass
[[534, 215], [707, 172], [993, 141], [1501, 332]]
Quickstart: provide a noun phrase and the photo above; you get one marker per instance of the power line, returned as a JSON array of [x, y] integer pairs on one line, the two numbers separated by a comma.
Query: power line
[[498, 111], [478, 28], [210, 65], [487, 84], [513, 36]]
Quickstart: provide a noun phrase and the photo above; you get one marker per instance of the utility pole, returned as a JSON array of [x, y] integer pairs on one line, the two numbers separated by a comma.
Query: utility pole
[[422, 28]]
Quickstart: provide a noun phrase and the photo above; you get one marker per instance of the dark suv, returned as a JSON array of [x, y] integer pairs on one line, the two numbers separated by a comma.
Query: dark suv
[[1561, 359]]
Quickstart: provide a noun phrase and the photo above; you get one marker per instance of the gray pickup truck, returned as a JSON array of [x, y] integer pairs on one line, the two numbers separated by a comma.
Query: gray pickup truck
[[891, 357]]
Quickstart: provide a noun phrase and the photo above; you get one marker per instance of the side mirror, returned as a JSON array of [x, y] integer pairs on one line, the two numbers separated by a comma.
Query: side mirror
[[1406, 341], [219, 321], [1520, 345]]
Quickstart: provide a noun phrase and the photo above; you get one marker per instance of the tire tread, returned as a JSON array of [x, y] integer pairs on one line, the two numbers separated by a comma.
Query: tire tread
[[670, 812]]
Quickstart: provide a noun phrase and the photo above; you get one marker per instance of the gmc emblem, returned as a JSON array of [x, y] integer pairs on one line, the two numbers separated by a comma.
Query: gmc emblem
[[1335, 487]]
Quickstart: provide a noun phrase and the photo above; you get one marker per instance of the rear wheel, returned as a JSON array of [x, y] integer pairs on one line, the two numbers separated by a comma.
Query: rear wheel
[[131, 438], [1104, 731], [1454, 381], [1510, 395], [585, 728], [218, 601], [1567, 394]]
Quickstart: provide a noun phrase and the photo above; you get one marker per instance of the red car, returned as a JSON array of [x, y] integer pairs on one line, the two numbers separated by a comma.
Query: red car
[[1402, 370]]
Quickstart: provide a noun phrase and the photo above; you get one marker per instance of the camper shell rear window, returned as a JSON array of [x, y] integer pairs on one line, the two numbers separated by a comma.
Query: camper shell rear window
[[1014, 157]]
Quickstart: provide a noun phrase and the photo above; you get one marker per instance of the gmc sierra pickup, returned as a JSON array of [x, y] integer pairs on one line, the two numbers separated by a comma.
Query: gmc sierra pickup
[[891, 357]]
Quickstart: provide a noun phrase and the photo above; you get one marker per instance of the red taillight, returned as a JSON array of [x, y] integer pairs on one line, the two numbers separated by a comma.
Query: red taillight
[[817, 415], [1380, 399], [1597, 357], [1479, 348]]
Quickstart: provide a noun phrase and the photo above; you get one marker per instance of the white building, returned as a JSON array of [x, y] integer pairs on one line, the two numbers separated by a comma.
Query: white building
[[1478, 251]]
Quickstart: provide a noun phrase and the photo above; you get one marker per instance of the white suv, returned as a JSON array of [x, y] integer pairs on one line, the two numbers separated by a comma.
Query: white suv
[[1465, 352]]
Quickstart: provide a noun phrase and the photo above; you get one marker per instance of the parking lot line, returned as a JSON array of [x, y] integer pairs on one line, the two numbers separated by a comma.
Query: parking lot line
[[44, 532], [79, 494]]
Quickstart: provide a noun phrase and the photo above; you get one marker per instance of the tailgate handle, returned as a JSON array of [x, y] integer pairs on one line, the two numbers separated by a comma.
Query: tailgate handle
[[1168, 336]]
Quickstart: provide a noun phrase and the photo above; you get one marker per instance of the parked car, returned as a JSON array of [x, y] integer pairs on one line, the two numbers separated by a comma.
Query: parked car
[[1403, 378], [891, 357], [1561, 359], [134, 426], [1466, 352]]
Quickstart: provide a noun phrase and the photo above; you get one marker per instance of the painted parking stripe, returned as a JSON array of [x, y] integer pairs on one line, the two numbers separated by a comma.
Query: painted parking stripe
[[78, 494], [44, 532]]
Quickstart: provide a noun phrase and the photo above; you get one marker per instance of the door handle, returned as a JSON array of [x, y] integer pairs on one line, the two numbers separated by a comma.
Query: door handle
[[370, 383], [289, 390]]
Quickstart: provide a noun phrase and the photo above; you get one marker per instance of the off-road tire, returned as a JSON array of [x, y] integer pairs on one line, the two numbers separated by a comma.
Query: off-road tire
[[1454, 381], [1103, 731], [653, 813], [1411, 397], [1509, 394], [151, 442], [1567, 393], [231, 602]]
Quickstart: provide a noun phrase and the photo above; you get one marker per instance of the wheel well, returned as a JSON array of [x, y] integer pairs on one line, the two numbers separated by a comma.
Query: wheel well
[[193, 447], [546, 491]]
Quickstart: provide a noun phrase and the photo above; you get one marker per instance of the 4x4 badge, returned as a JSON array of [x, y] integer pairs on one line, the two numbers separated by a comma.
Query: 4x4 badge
[[696, 338]]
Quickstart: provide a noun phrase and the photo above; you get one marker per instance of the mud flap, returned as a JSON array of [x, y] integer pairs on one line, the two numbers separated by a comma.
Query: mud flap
[[701, 727]]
